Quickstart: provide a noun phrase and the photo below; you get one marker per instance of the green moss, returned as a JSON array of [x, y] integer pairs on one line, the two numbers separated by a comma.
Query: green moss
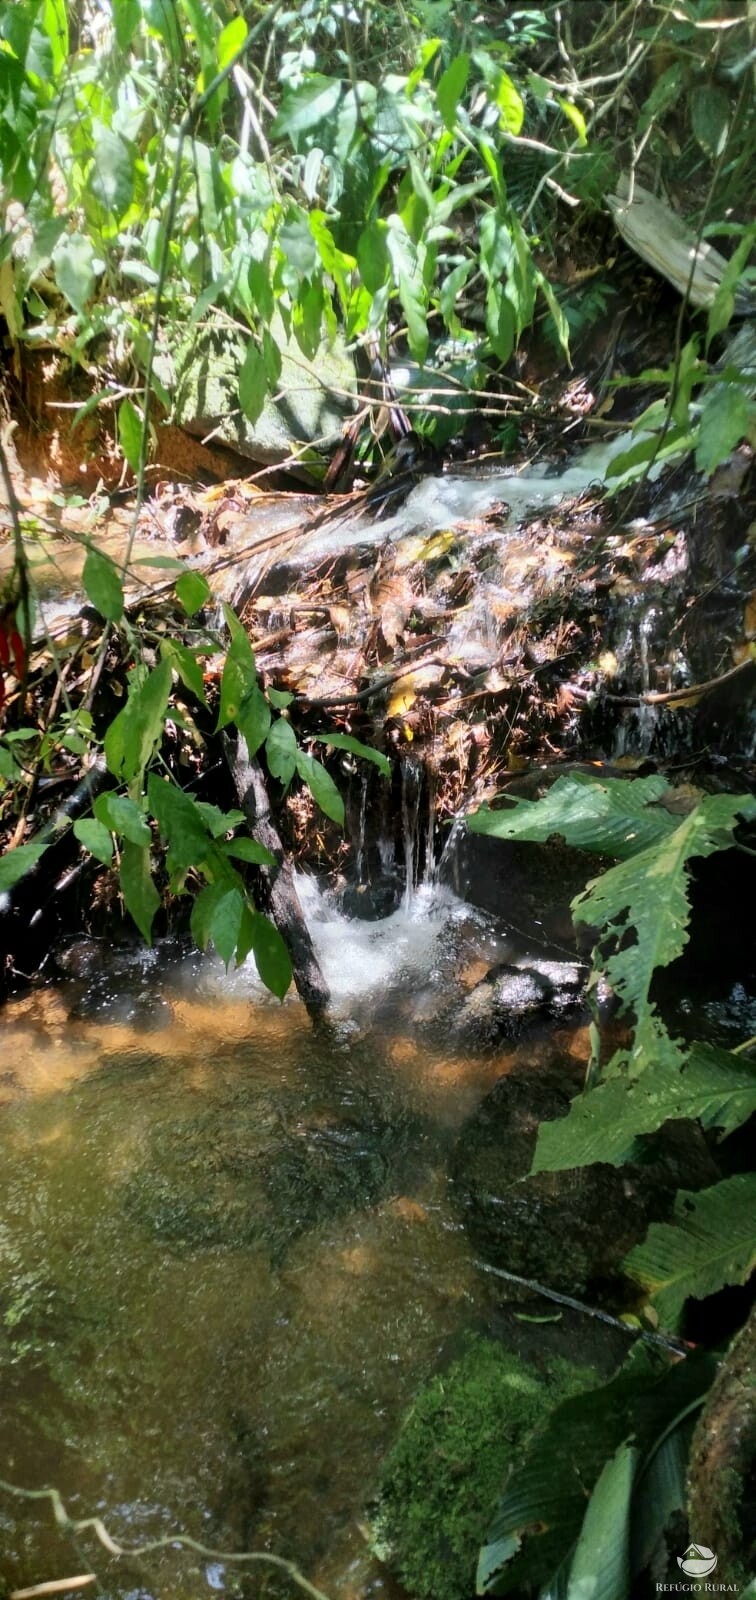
[[444, 1476]]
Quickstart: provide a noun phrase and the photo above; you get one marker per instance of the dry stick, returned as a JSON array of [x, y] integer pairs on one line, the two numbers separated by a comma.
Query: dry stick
[[68, 1525], [377, 685], [285, 905], [55, 1586], [674, 696], [667, 1341]]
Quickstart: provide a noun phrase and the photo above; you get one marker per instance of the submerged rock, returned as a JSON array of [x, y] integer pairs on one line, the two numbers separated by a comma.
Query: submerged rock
[[569, 1230], [243, 1176]]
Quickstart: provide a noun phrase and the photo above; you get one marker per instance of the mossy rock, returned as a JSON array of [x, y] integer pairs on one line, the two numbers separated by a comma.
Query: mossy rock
[[444, 1476], [311, 405]]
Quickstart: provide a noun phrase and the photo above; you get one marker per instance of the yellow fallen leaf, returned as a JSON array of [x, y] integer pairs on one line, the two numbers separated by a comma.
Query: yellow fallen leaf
[[401, 698]]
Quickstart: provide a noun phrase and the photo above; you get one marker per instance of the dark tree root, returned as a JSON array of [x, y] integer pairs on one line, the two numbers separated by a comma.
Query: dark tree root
[[285, 907], [722, 1466]]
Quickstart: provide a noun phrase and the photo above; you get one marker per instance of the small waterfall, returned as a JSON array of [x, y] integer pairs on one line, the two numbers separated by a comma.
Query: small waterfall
[[411, 792], [362, 818], [448, 863]]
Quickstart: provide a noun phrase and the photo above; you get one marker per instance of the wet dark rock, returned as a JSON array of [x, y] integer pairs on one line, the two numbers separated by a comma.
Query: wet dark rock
[[568, 1230], [511, 999], [371, 902]]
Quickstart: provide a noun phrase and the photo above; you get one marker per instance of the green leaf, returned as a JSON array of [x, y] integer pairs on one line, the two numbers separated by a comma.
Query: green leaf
[[203, 912], [193, 592], [127, 15], [710, 1243], [450, 89], [321, 787], [140, 896], [304, 109], [225, 923], [230, 41], [649, 892], [544, 1501], [606, 1123], [135, 733], [122, 816], [185, 663], [280, 698], [269, 950], [600, 1567], [73, 259], [346, 741], [239, 680], [725, 417], [216, 821], [405, 261], [181, 824], [710, 118], [606, 816], [102, 585], [281, 751], [112, 178], [95, 838], [253, 719], [511, 105], [56, 27], [15, 864], [253, 383], [575, 116], [249, 850], [130, 426]]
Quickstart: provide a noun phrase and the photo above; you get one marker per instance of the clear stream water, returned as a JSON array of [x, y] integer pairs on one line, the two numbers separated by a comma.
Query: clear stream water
[[228, 1254]]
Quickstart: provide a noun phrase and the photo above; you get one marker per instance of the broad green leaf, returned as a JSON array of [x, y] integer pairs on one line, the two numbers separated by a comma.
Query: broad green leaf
[[253, 383], [450, 89], [372, 255], [193, 591], [203, 912], [15, 864], [249, 850], [239, 680], [127, 14], [185, 663], [606, 816], [102, 585], [660, 1491], [605, 1123], [544, 1501], [304, 109], [710, 1243], [133, 736], [281, 751], [73, 259], [95, 838], [280, 698], [130, 426], [55, 21], [321, 787], [649, 893], [122, 816], [225, 924], [112, 177], [511, 105], [180, 822], [230, 41], [272, 958], [600, 1567], [216, 821], [253, 719], [409, 281], [346, 741], [725, 417], [710, 118], [140, 896], [575, 116], [501, 322]]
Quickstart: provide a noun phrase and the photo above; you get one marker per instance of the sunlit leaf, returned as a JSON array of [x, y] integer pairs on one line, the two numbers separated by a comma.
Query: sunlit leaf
[[451, 87], [321, 787], [347, 741], [281, 750], [122, 816], [130, 426], [95, 838], [193, 591], [140, 896], [102, 585]]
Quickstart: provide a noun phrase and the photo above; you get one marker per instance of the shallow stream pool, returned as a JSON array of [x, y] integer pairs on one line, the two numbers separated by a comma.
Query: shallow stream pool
[[229, 1256]]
